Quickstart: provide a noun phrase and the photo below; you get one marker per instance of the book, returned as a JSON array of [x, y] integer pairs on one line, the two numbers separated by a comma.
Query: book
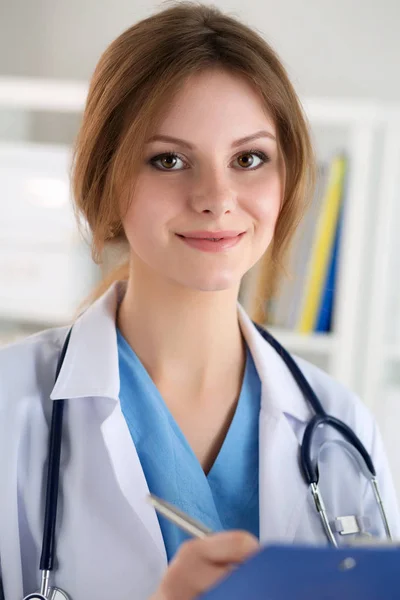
[[318, 265], [325, 315], [283, 309]]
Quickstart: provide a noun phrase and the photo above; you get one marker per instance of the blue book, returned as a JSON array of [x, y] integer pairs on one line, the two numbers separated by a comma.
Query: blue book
[[324, 320], [311, 573]]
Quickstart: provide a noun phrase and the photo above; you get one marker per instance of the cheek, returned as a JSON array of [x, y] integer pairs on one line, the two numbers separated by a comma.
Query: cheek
[[137, 221], [150, 210], [266, 202]]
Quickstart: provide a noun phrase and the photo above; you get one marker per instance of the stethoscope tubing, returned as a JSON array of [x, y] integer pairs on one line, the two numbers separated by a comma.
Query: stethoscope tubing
[[296, 372], [53, 474], [310, 471]]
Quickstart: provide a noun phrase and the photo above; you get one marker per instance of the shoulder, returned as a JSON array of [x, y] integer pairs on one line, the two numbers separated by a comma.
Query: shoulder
[[27, 367], [337, 399]]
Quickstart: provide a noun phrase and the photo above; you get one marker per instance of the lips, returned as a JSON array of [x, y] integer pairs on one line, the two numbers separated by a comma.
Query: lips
[[212, 241], [210, 235]]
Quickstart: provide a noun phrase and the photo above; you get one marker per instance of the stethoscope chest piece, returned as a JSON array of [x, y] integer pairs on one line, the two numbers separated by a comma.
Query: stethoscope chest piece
[[55, 594]]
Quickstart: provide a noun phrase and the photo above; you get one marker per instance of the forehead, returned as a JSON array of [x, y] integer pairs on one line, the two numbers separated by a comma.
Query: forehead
[[215, 102]]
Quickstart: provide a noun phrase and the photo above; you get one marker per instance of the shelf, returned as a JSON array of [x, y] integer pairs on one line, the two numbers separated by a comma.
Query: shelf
[[9, 334], [294, 342], [43, 94], [64, 95], [315, 343]]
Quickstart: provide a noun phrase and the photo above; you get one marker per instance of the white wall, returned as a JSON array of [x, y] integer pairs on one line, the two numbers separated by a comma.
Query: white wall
[[20, 37], [340, 48]]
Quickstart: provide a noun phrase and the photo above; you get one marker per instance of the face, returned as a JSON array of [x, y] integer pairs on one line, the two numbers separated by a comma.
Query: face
[[207, 185]]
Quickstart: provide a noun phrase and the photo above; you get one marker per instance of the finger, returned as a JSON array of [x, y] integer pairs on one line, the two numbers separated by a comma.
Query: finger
[[225, 548], [187, 577]]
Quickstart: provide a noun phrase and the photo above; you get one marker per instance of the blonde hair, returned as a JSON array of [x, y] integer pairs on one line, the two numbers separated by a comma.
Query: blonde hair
[[134, 80]]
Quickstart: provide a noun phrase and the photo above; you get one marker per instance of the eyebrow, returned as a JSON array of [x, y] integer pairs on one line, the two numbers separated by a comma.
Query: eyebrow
[[239, 142]]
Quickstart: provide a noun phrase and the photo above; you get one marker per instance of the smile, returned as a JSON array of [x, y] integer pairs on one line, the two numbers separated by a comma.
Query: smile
[[219, 243]]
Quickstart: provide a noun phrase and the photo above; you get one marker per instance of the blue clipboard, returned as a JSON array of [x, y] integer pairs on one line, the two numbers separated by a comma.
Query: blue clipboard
[[311, 573]]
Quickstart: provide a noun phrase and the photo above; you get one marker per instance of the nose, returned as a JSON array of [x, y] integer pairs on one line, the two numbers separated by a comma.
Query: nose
[[213, 194]]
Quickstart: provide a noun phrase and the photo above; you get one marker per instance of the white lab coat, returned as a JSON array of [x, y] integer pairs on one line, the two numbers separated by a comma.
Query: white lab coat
[[109, 544]]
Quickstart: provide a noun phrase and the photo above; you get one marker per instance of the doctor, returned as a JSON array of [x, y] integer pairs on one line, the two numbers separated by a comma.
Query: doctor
[[193, 149]]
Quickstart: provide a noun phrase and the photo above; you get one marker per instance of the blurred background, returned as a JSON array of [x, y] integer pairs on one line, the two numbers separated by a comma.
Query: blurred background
[[340, 307]]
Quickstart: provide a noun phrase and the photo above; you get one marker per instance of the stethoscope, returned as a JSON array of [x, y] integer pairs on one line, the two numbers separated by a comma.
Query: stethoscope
[[308, 466], [50, 514]]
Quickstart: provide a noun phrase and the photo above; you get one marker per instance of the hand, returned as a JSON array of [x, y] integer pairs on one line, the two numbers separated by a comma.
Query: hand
[[200, 563]]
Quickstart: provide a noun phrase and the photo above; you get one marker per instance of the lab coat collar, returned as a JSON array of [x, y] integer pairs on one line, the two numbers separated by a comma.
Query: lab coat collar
[[281, 393], [282, 489], [91, 368]]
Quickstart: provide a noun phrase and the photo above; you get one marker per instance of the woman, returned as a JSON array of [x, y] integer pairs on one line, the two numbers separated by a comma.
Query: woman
[[194, 150]]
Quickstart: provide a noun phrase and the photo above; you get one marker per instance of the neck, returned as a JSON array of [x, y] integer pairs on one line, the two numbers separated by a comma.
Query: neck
[[189, 337]]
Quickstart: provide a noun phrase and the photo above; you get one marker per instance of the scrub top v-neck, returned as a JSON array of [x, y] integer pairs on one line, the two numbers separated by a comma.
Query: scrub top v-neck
[[228, 496]]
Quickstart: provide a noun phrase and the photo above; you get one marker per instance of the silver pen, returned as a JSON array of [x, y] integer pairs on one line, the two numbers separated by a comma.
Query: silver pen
[[179, 518]]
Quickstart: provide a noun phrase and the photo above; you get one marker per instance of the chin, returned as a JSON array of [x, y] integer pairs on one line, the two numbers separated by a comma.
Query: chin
[[216, 283]]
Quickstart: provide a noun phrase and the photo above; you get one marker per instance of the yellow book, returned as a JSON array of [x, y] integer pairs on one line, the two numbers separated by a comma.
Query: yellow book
[[322, 246]]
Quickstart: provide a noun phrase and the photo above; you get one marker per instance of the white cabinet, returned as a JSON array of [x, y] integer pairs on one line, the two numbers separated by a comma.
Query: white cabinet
[[382, 348], [35, 200], [46, 269], [42, 286]]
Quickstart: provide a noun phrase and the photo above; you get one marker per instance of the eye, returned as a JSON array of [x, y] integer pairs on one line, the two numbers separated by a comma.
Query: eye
[[169, 160], [249, 160]]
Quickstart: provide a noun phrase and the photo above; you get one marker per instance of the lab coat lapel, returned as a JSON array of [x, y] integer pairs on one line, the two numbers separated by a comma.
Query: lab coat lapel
[[130, 476], [91, 370], [282, 489]]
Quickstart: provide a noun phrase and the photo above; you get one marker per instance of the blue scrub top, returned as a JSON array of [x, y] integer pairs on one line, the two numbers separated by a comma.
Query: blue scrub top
[[226, 498]]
